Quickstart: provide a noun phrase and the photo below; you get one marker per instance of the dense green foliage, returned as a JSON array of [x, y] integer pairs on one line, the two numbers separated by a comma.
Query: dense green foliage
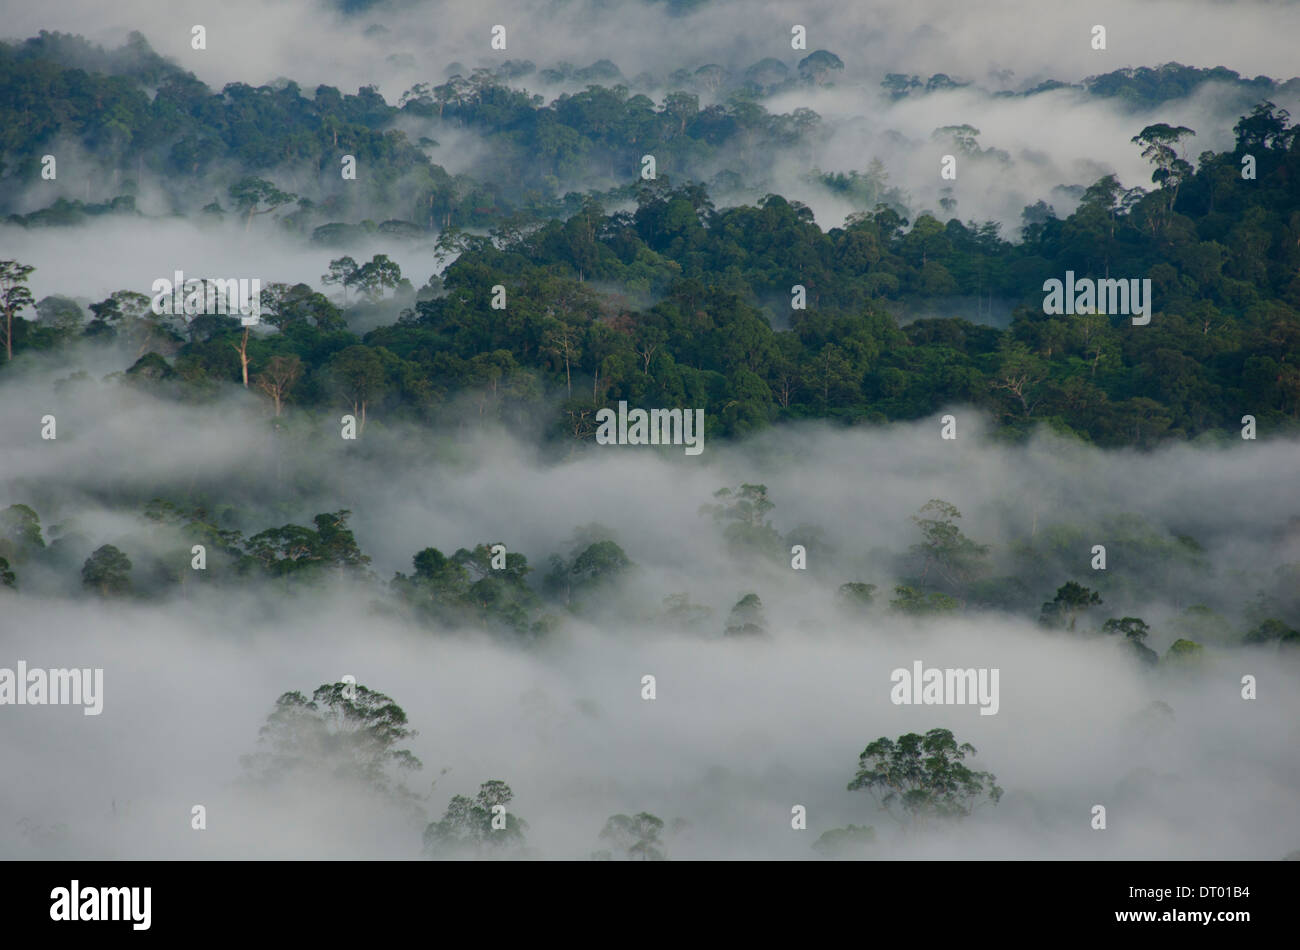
[[675, 302], [558, 285], [1222, 254], [632, 838], [668, 301], [478, 827], [924, 776], [492, 588], [345, 731]]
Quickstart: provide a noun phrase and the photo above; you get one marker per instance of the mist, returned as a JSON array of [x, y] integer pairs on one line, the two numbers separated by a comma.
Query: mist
[[312, 42], [1202, 536], [739, 732], [106, 255], [1048, 146]]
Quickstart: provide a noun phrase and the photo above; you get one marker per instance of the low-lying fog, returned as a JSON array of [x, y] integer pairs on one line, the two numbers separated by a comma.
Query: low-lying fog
[[740, 730]]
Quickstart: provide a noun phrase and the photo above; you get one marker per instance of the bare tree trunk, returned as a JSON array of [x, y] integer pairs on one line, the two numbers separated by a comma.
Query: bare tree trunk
[[242, 349]]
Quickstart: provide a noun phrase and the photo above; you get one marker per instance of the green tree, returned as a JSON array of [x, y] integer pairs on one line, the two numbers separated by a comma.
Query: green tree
[[122, 310], [845, 842], [1264, 129], [1270, 630], [598, 564], [909, 600], [345, 732], [478, 827], [107, 572], [1071, 600], [747, 617], [439, 587], [634, 837], [278, 378], [341, 272], [1185, 651], [1162, 146], [257, 196], [963, 137], [61, 314], [855, 596], [915, 778], [681, 107], [374, 277], [1019, 373], [20, 532], [600, 560], [498, 596], [899, 85], [744, 512], [1135, 630], [296, 550], [285, 306], [943, 548], [440, 572], [359, 376], [14, 296], [818, 65]]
